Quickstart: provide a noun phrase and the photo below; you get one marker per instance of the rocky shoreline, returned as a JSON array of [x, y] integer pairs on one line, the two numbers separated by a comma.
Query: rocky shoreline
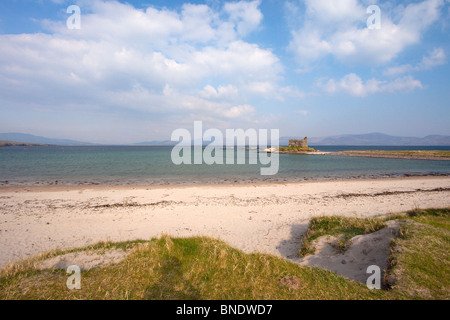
[[305, 152]]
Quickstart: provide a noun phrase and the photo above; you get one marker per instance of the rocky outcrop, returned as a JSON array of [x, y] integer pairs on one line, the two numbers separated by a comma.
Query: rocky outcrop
[[299, 143], [20, 144]]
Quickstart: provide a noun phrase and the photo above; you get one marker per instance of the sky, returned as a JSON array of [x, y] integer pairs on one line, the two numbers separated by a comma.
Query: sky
[[134, 71]]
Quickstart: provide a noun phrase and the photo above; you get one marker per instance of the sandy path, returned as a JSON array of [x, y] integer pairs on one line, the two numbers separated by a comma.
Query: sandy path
[[267, 218]]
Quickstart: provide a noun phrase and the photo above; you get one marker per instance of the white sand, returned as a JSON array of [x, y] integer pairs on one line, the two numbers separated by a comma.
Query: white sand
[[267, 218], [85, 260], [364, 251]]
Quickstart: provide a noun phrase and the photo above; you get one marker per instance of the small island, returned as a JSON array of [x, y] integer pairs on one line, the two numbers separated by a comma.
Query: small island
[[21, 144], [298, 147], [301, 147]]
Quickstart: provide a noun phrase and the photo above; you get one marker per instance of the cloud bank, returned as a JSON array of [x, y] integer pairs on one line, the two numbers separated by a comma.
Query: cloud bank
[[172, 66], [194, 62]]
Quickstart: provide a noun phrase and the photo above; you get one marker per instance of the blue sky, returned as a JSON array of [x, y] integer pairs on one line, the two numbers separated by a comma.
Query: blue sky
[[137, 70]]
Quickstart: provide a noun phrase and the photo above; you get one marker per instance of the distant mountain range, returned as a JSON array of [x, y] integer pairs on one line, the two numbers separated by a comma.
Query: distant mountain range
[[157, 143], [371, 139], [29, 138], [375, 139]]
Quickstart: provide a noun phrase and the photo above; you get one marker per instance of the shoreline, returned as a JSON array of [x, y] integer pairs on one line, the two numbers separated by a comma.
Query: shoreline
[[387, 156], [366, 154], [243, 184], [308, 153], [260, 217], [215, 182]]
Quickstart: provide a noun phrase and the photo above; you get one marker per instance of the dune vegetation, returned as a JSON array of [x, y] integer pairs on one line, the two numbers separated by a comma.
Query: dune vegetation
[[204, 268]]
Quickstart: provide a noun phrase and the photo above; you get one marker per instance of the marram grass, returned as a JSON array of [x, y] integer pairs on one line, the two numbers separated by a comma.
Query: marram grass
[[204, 268]]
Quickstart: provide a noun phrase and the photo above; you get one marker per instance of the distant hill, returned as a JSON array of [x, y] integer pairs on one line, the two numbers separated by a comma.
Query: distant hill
[[158, 143], [31, 139], [371, 139], [374, 139], [20, 144]]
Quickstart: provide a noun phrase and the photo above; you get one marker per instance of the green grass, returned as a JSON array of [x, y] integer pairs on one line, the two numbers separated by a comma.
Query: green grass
[[193, 268], [204, 268], [420, 260], [435, 217], [296, 149]]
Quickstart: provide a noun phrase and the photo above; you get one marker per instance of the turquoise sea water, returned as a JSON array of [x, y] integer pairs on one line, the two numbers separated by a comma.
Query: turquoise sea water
[[153, 165]]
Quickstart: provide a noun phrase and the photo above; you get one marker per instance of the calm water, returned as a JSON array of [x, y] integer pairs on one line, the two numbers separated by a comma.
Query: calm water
[[153, 165]]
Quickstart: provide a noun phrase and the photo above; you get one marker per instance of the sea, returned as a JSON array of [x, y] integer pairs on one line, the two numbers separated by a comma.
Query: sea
[[152, 165]]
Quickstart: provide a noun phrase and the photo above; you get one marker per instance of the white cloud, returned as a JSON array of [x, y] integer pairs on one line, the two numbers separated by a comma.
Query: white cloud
[[353, 84], [265, 89], [239, 111], [338, 28], [271, 90], [407, 83], [436, 58], [154, 61], [332, 12], [246, 15], [228, 92], [247, 60]]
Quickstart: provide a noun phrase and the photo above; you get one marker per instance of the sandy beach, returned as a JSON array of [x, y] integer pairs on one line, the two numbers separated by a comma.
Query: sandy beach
[[266, 218]]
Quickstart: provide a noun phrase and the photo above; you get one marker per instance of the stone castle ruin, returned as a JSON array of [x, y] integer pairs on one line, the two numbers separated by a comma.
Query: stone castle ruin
[[299, 143]]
